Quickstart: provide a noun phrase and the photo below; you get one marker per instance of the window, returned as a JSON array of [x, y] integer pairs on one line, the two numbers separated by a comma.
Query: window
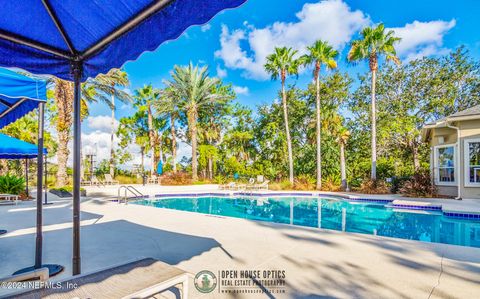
[[445, 161], [472, 162]]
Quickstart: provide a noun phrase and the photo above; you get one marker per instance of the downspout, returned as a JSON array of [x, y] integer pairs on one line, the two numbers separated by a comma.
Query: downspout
[[457, 145]]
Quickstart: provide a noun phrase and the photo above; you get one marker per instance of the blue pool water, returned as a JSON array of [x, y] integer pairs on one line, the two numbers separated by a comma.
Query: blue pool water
[[367, 218]]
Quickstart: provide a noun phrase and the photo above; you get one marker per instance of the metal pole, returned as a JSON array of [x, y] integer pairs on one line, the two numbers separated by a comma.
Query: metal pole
[[77, 74], [26, 176], [38, 244], [46, 182]]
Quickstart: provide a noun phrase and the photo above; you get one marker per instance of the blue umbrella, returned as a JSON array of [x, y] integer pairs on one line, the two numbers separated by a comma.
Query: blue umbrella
[[13, 148], [74, 40]]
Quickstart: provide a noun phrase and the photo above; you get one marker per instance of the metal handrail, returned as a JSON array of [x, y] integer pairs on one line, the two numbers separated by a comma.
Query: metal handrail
[[131, 189]]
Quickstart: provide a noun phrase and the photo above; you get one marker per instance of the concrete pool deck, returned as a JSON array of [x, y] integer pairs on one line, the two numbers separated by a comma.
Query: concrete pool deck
[[318, 263]]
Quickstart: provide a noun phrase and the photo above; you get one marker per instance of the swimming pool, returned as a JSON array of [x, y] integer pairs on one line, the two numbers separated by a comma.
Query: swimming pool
[[342, 215]]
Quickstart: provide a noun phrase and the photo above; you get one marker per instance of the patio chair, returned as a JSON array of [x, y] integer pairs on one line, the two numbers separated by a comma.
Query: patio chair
[[85, 182], [97, 182], [153, 180], [251, 184], [109, 180], [8, 199], [139, 279], [262, 186]]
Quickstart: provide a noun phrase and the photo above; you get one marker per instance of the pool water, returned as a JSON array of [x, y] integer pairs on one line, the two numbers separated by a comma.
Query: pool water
[[367, 218]]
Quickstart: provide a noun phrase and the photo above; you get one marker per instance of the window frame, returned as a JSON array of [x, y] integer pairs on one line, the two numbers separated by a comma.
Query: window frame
[[466, 162], [437, 165]]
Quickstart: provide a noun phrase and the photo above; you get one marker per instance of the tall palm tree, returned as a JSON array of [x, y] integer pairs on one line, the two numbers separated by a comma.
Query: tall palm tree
[[145, 98], [97, 89], [166, 106], [342, 137], [107, 85], [195, 90], [318, 54], [281, 64], [375, 42]]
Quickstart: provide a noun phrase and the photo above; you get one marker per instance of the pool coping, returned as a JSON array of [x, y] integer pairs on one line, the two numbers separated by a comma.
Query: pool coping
[[391, 203]]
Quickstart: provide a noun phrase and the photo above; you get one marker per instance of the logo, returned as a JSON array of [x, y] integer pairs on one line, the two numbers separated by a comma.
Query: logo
[[205, 281]]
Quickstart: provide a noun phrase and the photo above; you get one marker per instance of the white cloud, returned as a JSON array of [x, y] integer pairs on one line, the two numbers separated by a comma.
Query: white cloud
[[221, 73], [243, 90], [422, 38], [205, 27], [102, 123], [330, 20]]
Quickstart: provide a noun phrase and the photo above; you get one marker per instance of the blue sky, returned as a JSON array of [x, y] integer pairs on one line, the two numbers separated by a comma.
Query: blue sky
[[234, 44]]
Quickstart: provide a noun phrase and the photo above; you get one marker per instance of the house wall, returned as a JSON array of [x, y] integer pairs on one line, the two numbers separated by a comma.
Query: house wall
[[469, 129]]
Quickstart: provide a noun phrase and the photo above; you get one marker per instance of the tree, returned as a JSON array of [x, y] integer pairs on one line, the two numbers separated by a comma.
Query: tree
[[107, 86], [144, 99], [319, 53], [166, 106], [195, 91], [281, 64], [93, 90], [375, 42], [342, 139]]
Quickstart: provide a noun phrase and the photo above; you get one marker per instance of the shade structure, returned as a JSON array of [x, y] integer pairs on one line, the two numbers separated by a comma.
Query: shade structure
[[13, 148], [19, 94], [74, 40]]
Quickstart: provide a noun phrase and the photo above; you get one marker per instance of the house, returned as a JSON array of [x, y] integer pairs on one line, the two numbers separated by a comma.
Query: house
[[455, 153]]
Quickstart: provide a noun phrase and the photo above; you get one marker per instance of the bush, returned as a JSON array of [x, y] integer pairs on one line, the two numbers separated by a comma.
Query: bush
[[397, 183], [11, 184], [419, 185], [179, 178], [304, 182], [369, 186], [282, 185]]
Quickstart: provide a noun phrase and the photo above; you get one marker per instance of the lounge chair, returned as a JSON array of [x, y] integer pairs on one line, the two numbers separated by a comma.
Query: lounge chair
[[229, 186], [153, 180], [262, 186], [251, 184], [109, 180], [97, 182], [139, 279], [8, 199]]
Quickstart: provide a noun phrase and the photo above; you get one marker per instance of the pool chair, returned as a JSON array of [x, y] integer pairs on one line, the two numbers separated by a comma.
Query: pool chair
[[8, 199], [144, 278], [109, 180], [262, 186], [228, 186], [153, 179], [97, 182]]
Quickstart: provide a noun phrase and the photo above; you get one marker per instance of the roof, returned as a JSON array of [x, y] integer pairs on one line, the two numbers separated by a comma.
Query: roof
[[467, 114]]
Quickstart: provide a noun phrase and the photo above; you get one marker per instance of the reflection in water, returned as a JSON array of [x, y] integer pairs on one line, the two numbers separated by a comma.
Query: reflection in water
[[339, 215]]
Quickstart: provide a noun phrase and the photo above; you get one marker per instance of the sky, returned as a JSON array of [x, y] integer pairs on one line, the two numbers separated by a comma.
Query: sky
[[234, 45]]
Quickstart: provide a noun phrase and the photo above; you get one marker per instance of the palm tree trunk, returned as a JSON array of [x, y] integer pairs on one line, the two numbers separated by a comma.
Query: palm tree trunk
[[174, 142], [112, 162], [151, 137], [192, 124], [374, 128], [64, 104], [210, 168], [319, 128], [287, 129], [343, 171], [416, 160]]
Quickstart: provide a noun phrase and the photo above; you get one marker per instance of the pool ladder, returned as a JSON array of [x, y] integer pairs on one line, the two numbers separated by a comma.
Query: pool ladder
[[136, 194]]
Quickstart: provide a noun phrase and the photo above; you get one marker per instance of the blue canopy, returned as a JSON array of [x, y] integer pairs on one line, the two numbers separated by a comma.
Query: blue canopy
[[13, 148], [44, 37], [19, 95]]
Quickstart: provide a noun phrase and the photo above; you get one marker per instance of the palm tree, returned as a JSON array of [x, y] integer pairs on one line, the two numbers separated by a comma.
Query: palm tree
[[107, 85], [343, 135], [281, 64], [166, 106], [195, 90], [93, 90], [319, 53], [145, 97], [375, 42]]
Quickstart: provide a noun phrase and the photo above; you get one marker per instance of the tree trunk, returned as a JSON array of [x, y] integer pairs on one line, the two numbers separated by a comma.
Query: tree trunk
[[64, 104], [192, 123], [343, 171], [210, 168], [112, 153], [3, 167], [319, 127], [287, 130], [151, 135], [416, 159], [374, 128], [174, 142]]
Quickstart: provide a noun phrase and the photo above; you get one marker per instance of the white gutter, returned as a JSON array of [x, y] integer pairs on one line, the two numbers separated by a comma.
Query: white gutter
[[457, 145]]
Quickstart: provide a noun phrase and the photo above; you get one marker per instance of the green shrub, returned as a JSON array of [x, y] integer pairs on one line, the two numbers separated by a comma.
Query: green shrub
[[304, 182], [66, 189], [11, 184], [369, 186]]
